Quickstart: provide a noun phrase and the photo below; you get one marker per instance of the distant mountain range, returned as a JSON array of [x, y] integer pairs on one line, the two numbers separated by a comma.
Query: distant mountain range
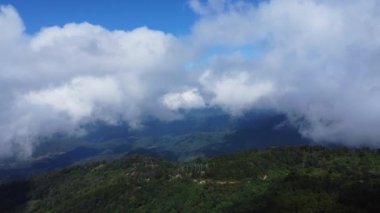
[[199, 134]]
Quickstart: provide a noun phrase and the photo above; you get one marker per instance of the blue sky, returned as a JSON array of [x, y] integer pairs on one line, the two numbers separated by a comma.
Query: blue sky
[[173, 16]]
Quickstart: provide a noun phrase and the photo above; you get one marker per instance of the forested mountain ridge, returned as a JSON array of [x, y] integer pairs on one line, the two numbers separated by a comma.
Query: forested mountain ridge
[[293, 179], [202, 134]]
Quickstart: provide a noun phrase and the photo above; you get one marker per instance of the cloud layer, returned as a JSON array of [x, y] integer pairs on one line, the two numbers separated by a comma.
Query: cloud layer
[[315, 60]]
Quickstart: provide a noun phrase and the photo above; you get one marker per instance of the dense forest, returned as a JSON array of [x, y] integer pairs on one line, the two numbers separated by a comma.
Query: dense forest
[[288, 179]]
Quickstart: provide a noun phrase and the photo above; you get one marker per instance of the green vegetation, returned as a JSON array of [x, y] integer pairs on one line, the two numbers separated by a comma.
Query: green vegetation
[[183, 147], [297, 179]]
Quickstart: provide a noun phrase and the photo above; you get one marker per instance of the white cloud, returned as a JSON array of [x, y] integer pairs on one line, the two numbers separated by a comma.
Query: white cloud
[[314, 59], [63, 77], [80, 97], [187, 99], [237, 92], [321, 56], [10, 21]]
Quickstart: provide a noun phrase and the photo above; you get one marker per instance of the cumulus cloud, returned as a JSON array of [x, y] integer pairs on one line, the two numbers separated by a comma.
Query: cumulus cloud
[[320, 58], [315, 60], [188, 99], [79, 97], [235, 93], [67, 76], [10, 20]]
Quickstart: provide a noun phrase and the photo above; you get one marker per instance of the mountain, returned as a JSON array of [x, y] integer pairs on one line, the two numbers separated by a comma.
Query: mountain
[[287, 179], [201, 133]]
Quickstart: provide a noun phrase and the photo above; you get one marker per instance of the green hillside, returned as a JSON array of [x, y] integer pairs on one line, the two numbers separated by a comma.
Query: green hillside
[[298, 179]]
